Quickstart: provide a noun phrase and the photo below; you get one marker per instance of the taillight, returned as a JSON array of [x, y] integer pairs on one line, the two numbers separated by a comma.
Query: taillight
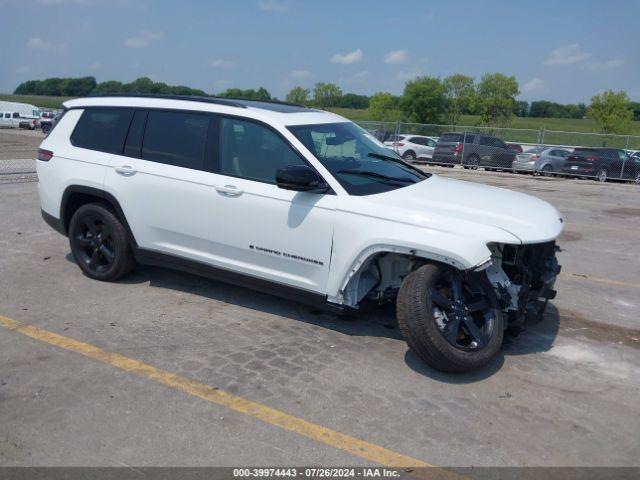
[[398, 144], [591, 159], [533, 158], [457, 149], [44, 155]]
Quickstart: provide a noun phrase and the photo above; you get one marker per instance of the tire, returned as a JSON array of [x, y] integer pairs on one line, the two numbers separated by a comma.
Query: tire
[[547, 170], [473, 162], [409, 156], [419, 326], [46, 129], [602, 175], [637, 179], [99, 243]]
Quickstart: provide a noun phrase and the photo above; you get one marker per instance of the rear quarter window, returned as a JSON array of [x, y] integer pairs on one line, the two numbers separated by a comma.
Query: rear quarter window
[[451, 138], [102, 129]]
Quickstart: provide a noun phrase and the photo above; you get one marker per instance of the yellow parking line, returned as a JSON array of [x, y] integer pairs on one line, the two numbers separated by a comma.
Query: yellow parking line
[[606, 281], [318, 433]]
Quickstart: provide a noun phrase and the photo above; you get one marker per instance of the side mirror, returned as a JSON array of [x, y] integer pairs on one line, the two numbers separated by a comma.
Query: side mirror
[[300, 178]]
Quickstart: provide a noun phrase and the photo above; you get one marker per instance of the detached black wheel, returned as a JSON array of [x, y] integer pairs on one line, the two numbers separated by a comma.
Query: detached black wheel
[[99, 243], [449, 319]]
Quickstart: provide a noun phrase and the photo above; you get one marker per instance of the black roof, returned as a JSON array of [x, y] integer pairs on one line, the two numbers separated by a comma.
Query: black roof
[[272, 105]]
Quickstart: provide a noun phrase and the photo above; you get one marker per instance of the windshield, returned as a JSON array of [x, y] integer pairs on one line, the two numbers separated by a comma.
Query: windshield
[[361, 164], [534, 150]]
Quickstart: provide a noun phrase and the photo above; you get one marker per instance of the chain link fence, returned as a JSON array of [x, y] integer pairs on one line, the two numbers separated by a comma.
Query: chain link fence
[[536, 151]]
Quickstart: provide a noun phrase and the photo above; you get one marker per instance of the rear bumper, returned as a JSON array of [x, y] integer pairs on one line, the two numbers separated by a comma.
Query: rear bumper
[[53, 222], [524, 167], [445, 159]]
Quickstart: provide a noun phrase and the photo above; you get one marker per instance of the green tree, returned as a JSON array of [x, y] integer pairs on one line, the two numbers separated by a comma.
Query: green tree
[[326, 94], [110, 86], [423, 100], [298, 95], [460, 94], [353, 100], [611, 111], [383, 107], [496, 98]]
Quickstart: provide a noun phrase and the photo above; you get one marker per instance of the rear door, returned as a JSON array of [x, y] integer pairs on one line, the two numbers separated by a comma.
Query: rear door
[[164, 183]]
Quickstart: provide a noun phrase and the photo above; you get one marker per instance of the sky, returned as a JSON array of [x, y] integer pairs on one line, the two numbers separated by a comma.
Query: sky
[[564, 51]]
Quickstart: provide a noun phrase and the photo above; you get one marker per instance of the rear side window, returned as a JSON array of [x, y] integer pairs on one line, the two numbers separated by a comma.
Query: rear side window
[[451, 137], [102, 129], [176, 138], [585, 152], [133, 145], [487, 141]]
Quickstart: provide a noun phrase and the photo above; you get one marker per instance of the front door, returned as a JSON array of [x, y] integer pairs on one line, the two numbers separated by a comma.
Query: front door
[[263, 230]]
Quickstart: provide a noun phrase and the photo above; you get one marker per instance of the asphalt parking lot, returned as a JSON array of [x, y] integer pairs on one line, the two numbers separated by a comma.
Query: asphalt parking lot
[[168, 369]]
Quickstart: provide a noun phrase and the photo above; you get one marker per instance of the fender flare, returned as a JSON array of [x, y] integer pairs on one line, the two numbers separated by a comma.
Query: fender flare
[[96, 192]]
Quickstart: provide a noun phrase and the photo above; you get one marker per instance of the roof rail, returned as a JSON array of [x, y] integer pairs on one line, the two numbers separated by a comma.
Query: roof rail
[[276, 102], [188, 98]]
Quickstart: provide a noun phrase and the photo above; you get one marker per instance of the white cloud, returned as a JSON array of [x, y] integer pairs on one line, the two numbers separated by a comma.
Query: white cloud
[[37, 43], [566, 55], [95, 66], [300, 74], [348, 58], [143, 39], [534, 85], [597, 66], [220, 63], [397, 56], [272, 6]]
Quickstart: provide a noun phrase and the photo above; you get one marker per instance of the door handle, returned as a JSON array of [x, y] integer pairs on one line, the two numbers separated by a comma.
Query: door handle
[[230, 190], [126, 170]]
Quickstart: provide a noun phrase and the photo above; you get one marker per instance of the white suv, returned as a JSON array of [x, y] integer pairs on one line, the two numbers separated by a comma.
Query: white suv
[[299, 203], [412, 147]]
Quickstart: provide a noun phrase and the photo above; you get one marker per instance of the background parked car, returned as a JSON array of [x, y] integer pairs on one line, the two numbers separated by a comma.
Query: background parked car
[[412, 147], [473, 150], [546, 161], [9, 119], [29, 123], [601, 164]]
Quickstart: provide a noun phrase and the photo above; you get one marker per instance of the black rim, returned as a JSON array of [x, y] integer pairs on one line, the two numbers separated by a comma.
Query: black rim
[[93, 244], [462, 311]]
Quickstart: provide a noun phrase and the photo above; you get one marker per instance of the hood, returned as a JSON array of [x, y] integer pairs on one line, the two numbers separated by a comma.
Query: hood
[[475, 210]]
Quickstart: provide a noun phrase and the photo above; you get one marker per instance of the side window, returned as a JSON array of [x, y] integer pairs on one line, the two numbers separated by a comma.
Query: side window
[[499, 143], [431, 143], [176, 138], [102, 129], [16, 115], [250, 150], [133, 144], [416, 140], [487, 141], [7, 115]]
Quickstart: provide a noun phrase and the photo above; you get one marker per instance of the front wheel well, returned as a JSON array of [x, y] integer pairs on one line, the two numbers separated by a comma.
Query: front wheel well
[[379, 277]]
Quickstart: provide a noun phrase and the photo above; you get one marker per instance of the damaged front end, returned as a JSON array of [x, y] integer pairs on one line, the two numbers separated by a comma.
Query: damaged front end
[[523, 277]]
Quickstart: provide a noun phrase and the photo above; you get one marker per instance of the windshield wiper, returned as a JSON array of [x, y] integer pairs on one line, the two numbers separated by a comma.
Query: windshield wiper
[[367, 173], [382, 156]]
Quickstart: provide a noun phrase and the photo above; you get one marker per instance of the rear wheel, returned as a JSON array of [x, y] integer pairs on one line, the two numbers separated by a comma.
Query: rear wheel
[[409, 156], [99, 243], [450, 320], [547, 170], [602, 175], [473, 162]]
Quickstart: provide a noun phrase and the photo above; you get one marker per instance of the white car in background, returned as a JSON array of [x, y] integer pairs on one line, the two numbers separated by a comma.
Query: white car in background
[[412, 147]]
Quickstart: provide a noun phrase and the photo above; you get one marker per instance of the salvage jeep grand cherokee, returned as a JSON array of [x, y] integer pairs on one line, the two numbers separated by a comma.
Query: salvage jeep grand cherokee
[[299, 203]]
